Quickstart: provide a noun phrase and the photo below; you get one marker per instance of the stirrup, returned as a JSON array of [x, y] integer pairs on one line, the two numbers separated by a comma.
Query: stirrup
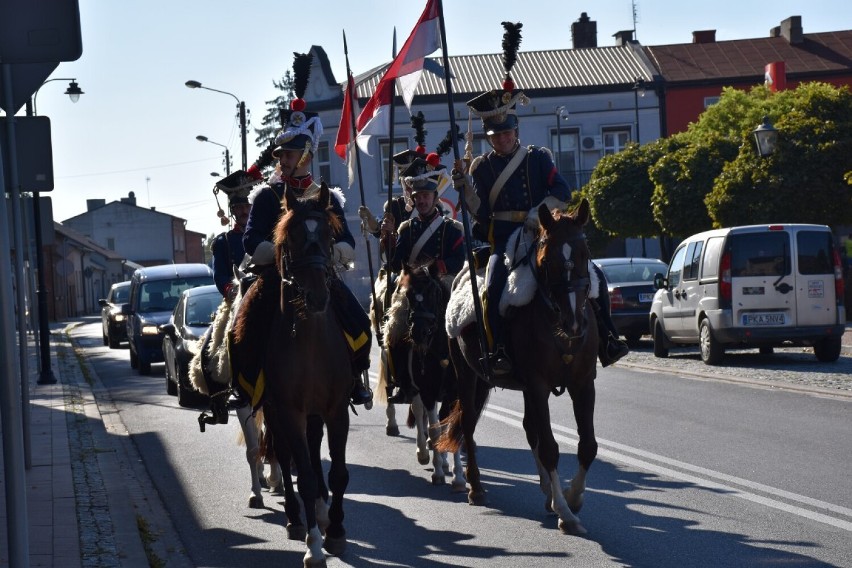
[[499, 362], [361, 393]]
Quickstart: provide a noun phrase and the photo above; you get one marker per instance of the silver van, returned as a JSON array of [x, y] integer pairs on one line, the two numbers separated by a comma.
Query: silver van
[[757, 285]]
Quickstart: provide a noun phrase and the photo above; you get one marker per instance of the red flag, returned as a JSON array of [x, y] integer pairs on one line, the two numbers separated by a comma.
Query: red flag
[[344, 131], [406, 69]]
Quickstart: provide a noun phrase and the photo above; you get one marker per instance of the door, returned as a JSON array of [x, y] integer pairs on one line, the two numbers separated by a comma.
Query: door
[[816, 302], [670, 297], [690, 289], [762, 279]]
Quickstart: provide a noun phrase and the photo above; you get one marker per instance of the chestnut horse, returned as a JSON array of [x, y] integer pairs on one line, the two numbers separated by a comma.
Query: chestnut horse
[[307, 371], [553, 342]]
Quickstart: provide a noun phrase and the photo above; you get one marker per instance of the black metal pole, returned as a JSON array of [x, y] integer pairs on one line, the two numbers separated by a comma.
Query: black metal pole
[[228, 162], [468, 239], [243, 133], [390, 245]]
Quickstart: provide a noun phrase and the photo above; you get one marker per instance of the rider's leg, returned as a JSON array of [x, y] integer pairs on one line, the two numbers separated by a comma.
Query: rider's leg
[[348, 306], [612, 348], [402, 376], [496, 276]]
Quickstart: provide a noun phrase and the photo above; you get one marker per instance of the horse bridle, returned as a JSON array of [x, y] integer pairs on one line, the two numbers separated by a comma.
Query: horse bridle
[[314, 255], [576, 285], [418, 311]]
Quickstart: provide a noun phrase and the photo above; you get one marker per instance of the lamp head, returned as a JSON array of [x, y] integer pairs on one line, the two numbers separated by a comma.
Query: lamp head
[[192, 84], [766, 138], [201, 138], [74, 91]]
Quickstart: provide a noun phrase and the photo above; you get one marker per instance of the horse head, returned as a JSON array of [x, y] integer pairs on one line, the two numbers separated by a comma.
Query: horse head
[[562, 264], [303, 238], [427, 301]]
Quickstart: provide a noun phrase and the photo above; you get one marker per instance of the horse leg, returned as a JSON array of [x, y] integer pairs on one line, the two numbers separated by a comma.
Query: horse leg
[[391, 427], [547, 451], [250, 434], [438, 457], [587, 448], [470, 395], [338, 480], [315, 434], [421, 427]]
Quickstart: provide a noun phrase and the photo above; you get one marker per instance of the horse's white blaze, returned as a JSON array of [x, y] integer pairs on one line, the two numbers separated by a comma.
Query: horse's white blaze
[[572, 296], [311, 225]]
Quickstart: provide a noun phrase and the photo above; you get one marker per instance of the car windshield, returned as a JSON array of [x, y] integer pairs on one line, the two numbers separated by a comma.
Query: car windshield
[[201, 308], [632, 272], [163, 295], [121, 294]]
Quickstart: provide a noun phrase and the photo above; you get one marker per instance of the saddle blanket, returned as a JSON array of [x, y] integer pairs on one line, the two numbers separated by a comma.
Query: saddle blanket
[[520, 285]]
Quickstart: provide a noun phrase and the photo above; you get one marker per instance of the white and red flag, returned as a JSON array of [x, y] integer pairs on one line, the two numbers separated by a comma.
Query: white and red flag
[[343, 144], [405, 69]]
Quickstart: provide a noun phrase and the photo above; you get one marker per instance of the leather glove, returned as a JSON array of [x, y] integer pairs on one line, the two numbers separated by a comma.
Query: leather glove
[[461, 181], [368, 218], [343, 253], [264, 253]]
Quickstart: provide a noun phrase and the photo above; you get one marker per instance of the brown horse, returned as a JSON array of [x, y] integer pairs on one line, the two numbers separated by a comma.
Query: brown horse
[[306, 369], [553, 342]]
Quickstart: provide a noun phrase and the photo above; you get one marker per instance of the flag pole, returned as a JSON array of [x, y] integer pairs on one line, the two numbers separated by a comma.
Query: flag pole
[[468, 239], [390, 246], [352, 98]]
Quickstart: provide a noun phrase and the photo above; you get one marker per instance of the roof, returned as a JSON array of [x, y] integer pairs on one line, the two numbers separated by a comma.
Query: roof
[[85, 241], [124, 204], [817, 54], [597, 67], [166, 271]]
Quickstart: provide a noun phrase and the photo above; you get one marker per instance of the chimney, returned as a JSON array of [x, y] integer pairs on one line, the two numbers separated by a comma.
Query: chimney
[[130, 199], [584, 32], [92, 204], [623, 37], [704, 36], [791, 29]]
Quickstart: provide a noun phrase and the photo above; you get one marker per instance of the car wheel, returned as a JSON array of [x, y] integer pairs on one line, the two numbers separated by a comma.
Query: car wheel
[[171, 383], [659, 337], [106, 339], [827, 350], [113, 343], [766, 350], [187, 397], [134, 359], [712, 351], [144, 367]]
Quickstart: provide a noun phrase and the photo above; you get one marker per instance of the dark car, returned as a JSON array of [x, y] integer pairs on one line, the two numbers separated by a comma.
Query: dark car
[[113, 322], [191, 318], [631, 290], [154, 293]]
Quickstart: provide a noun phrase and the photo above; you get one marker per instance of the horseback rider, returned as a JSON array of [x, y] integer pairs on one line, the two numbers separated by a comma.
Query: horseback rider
[[293, 149], [227, 247], [503, 189], [426, 235]]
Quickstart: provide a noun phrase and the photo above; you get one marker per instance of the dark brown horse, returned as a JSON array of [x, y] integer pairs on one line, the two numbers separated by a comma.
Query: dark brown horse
[[306, 368], [553, 342]]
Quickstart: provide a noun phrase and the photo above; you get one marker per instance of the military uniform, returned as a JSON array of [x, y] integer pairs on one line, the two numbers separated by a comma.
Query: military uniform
[[446, 243], [228, 253]]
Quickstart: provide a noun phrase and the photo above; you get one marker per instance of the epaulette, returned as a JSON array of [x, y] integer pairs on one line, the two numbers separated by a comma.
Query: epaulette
[[405, 223], [473, 165], [544, 149], [456, 222]]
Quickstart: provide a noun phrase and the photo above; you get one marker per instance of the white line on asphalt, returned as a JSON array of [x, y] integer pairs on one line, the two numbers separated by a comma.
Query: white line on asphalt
[[619, 451]]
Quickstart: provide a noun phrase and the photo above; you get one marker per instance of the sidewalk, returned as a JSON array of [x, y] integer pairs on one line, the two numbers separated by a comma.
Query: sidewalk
[[89, 500]]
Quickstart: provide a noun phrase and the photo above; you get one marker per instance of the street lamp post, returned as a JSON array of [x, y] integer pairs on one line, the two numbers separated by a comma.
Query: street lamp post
[[559, 111], [201, 138], [46, 376], [638, 91], [242, 106]]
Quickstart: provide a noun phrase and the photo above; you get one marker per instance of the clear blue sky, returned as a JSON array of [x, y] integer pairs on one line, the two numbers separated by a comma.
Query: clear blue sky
[[137, 120]]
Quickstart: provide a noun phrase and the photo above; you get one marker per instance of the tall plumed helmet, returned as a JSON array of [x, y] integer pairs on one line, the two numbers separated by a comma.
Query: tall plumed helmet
[[236, 187], [405, 157], [301, 130], [496, 108]]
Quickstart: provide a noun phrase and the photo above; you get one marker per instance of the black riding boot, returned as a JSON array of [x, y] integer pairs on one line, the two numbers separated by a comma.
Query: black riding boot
[[611, 349], [361, 393], [406, 391]]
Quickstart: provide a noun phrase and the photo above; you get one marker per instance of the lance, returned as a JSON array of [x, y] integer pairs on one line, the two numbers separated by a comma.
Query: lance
[[350, 87], [468, 240]]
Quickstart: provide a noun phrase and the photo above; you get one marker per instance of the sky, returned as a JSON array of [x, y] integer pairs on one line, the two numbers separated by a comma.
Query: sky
[[134, 127]]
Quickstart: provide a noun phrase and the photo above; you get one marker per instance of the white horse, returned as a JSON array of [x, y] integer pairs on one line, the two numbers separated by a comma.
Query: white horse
[[218, 365], [424, 419]]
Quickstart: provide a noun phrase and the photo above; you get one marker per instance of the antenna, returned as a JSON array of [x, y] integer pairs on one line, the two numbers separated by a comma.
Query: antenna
[[635, 10], [148, 190]]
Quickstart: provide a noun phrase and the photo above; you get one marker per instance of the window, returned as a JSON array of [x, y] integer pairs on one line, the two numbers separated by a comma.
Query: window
[[816, 252], [399, 145], [710, 101], [111, 243], [615, 140], [712, 253], [568, 162], [760, 254], [676, 267], [322, 163], [693, 259]]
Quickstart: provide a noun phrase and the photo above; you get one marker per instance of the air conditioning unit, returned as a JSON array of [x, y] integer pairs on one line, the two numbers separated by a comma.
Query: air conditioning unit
[[591, 143]]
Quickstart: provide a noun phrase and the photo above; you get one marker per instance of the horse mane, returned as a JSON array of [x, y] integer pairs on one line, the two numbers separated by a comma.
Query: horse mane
[[280, 234], [257, 310]]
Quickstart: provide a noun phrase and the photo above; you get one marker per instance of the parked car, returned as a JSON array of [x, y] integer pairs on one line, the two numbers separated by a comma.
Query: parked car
[[154, 293], [113, 324], [757, 285], [190, 319], [630, 281]]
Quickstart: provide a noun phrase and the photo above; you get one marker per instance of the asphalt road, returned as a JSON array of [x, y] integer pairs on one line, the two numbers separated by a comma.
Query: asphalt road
[[691, 471]]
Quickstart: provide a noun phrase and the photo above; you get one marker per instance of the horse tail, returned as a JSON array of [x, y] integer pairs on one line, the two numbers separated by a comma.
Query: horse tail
[[264, 438], [452, 437], [382, 390], [410, 421]]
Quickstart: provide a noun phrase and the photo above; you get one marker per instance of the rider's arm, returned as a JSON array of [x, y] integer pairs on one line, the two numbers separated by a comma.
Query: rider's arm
[[262, 219], [222, 271], [453, 255]]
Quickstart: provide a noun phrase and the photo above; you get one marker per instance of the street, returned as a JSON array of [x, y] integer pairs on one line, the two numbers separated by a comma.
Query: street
[[690, 472]]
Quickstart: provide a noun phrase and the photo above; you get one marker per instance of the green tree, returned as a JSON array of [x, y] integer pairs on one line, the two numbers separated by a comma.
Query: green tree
[[271, 122]]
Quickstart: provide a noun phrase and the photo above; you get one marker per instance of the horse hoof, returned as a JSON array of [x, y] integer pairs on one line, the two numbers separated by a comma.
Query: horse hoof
[[575, 501], [277, 490], [255, 502], [476, 499], [335, 546], [392, 431], [459, 487], [423, 458], [572, 528], [438, 480], [296, 532], [315, 563]]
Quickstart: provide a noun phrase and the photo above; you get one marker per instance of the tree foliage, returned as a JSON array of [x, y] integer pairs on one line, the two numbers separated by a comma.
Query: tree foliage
[[271, 122]]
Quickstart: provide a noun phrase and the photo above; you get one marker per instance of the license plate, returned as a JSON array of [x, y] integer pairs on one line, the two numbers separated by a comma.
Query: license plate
[[646, 297], [763, 319]]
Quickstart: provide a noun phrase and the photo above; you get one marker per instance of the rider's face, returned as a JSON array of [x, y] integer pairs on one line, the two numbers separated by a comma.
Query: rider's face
[[504, 142], [240, 211], [424, 202], [289, 160]]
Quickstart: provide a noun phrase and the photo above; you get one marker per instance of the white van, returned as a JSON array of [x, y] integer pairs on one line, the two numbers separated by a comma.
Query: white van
[[758, 285]]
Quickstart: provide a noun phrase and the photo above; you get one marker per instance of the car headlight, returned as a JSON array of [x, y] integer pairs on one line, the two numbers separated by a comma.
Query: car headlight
[[149, 330], [119, 317]]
